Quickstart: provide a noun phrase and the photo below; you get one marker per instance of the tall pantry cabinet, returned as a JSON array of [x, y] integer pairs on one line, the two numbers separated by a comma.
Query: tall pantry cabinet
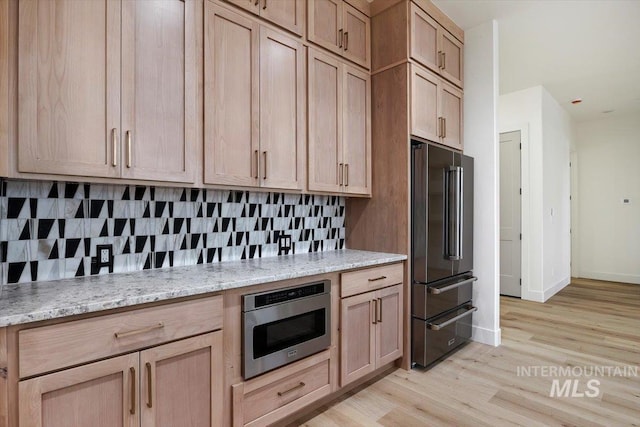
[[417, 81], [107, 88]]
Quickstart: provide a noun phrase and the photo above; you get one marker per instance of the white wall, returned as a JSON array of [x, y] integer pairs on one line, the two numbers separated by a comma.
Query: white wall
[[546, 140], [608, 233], [481, 142], [556, 177]]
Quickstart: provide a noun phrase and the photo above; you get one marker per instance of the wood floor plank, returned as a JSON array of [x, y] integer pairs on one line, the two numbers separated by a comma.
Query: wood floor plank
[[589, 323]]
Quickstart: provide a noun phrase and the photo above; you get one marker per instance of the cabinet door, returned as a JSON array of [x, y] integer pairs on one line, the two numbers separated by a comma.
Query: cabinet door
[[101, 394], [325, 24], [424, 38], [325, 123], [357, 337], [357, 131], [252, 6], [231, 98], [389, 326], [451, 111], [69, 87], [357, 36], [158, 89], [282, 84], [181, 383], [288, 14], [424, 104], [452, 62]]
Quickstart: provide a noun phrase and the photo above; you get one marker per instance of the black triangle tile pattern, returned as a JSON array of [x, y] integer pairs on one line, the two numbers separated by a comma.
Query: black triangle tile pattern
[[52, 228]]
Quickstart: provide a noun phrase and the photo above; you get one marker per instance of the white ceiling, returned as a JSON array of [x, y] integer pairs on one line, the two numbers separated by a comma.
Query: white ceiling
[[575, 49]]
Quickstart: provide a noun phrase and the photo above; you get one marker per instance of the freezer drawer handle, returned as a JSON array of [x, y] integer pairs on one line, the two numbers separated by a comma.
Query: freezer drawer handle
[[436, 291], [437, 327]]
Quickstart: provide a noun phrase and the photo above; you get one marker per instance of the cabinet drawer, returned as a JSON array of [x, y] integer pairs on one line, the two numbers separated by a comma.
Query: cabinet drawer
[[265, 404], [48, 348], [357, 282]]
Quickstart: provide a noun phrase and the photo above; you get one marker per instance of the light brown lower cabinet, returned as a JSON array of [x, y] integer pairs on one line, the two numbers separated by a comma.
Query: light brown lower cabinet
[[175, 384], [271, 397], [371, 332]]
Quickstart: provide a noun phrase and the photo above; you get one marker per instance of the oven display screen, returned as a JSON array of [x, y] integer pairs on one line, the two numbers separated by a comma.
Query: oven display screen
[[275, 336]]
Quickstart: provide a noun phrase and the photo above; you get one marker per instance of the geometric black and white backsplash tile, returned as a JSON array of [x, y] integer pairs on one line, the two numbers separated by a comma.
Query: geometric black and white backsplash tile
[[50, 230]]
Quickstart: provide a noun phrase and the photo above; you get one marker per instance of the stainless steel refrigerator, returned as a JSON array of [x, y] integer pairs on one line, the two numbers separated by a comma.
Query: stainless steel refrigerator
[[442, 251]]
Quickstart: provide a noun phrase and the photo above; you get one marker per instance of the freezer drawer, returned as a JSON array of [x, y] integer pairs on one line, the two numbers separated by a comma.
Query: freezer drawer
[[439, 297], [435, 338]]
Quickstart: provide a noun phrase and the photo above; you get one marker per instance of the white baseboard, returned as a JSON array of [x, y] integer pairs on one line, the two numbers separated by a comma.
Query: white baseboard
[[556, 288], [486, 336], [537, 296], [611, 277]]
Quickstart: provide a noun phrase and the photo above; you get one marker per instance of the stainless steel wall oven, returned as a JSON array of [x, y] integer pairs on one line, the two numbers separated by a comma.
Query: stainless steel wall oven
[[285, 325]]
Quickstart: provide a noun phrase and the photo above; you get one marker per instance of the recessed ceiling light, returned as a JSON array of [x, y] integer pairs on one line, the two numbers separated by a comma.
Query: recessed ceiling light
[[608, 111], [576, 101]]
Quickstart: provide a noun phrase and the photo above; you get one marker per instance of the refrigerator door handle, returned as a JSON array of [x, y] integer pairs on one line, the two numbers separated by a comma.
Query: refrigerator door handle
[[453, 214], [435, 290]]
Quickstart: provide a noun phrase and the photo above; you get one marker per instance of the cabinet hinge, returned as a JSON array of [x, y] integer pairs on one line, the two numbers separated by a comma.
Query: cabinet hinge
[[521, 191], [520, 282], [521, 145], [520, 236], [3, 372]]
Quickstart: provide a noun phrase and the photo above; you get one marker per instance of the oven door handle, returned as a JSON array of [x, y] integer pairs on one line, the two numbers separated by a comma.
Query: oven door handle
[[438, 326], [434, 290]]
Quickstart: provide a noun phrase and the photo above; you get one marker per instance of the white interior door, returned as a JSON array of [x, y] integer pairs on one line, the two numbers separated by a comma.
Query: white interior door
[[510, 195]]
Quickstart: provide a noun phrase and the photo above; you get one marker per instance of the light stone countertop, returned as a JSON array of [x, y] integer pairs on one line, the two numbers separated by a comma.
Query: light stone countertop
[[38, 301]]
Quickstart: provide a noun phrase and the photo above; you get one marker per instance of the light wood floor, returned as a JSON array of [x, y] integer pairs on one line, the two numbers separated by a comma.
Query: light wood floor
[[588, 323]]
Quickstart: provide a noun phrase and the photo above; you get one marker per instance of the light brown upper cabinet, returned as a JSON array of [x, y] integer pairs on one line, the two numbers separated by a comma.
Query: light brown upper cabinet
[[107, 88], [436, 109], [434, 47], [288, 14], [339, 154], [254, 103], [337, 26]]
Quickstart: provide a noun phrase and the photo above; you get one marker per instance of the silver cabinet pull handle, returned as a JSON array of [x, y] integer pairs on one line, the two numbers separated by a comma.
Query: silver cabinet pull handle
[[438, 326], [340, 173], [114, 146], [265, 4], [139, 331], [444, 127], [294, 388], [128, 148], [377, 278], [444, 58], [379, 310], [346, 41], [340, 35]]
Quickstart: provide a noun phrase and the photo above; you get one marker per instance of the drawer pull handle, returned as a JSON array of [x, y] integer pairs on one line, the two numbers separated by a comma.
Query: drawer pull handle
[[139, 331], [132, 403], [294, 388], [378, 278]]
